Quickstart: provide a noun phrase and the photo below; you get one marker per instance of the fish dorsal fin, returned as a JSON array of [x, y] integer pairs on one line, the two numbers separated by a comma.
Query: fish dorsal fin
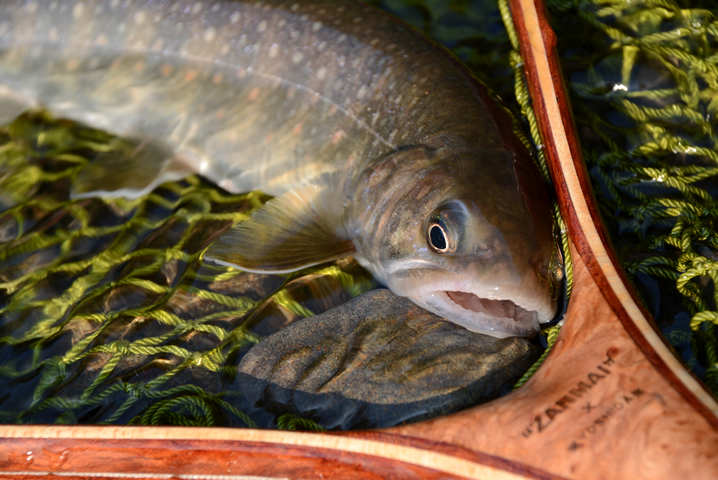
[[130, 169], [299, 229]]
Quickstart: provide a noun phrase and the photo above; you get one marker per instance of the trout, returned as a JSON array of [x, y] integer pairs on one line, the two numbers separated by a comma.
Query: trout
[[374, 141]]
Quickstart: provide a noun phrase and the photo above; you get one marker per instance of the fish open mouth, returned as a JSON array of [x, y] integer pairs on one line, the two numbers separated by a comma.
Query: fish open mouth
[[495, 308]]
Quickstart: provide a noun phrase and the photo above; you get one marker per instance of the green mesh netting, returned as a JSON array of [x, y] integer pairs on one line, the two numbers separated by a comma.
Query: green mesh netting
[[643, 80], [108, 303]]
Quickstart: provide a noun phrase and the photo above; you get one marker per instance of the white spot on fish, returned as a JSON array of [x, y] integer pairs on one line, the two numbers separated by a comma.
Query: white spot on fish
[[281, 23], [226, 184], [203, 166], [297, 57], [321, 73], [374, 41], [295, 7], [316, 26], [341, 38], [234, 18], [216, 7], [273, 50], [157, 19], [77, 11], [196, 8], [262, 26], [140, 18], [210, 34], [31, 7], [362, 91], [322, 46]]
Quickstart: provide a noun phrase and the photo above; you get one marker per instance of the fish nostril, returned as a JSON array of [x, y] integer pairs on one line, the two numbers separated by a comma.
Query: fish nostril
[[484, 250]]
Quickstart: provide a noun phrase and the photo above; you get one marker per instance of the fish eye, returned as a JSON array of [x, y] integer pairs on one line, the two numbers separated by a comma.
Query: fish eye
[[437, 238], [445, 227]]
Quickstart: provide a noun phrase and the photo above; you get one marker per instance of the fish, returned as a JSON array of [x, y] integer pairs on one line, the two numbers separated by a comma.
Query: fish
[[374, 141]]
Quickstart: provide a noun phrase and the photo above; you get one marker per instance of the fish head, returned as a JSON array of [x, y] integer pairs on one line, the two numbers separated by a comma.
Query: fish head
[[468, 236]]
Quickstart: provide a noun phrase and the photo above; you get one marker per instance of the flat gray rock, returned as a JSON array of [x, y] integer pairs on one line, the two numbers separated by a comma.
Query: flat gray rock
[[376, 361]]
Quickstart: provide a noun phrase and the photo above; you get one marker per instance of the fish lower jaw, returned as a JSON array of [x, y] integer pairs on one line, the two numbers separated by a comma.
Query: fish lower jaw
[[498, 318]]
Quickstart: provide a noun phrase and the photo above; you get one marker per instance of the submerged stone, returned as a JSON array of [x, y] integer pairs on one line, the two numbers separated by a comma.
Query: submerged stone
[[377, 361]]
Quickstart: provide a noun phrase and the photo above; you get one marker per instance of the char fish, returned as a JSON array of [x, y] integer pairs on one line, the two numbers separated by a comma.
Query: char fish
[[376, 142]]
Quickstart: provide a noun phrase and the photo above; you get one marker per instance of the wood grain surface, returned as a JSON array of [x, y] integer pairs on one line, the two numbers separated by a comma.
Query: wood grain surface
[[611, 401]]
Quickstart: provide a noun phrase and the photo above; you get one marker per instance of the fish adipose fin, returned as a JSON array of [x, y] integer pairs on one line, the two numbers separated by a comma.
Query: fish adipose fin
[[299, 229], [130, 169]]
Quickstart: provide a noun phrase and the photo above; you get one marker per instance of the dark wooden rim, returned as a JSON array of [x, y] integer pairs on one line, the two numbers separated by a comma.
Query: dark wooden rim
[[373, 450]]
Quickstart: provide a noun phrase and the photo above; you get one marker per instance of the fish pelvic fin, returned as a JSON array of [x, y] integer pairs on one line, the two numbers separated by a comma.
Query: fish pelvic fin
[[299, 229], [129, 169]]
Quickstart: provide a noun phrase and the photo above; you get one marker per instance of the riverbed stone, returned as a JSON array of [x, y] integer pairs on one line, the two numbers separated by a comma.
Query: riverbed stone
[[377, 361]]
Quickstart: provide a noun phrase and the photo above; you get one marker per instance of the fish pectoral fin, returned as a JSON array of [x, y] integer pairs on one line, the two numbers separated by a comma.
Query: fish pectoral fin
[[298, 229], [129, 169]]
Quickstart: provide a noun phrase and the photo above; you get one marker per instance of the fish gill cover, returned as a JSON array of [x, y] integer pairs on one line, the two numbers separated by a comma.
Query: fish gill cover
[[109, 303]]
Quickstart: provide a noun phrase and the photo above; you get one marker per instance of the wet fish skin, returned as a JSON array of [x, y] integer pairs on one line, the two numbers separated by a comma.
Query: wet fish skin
[[364, 130]]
